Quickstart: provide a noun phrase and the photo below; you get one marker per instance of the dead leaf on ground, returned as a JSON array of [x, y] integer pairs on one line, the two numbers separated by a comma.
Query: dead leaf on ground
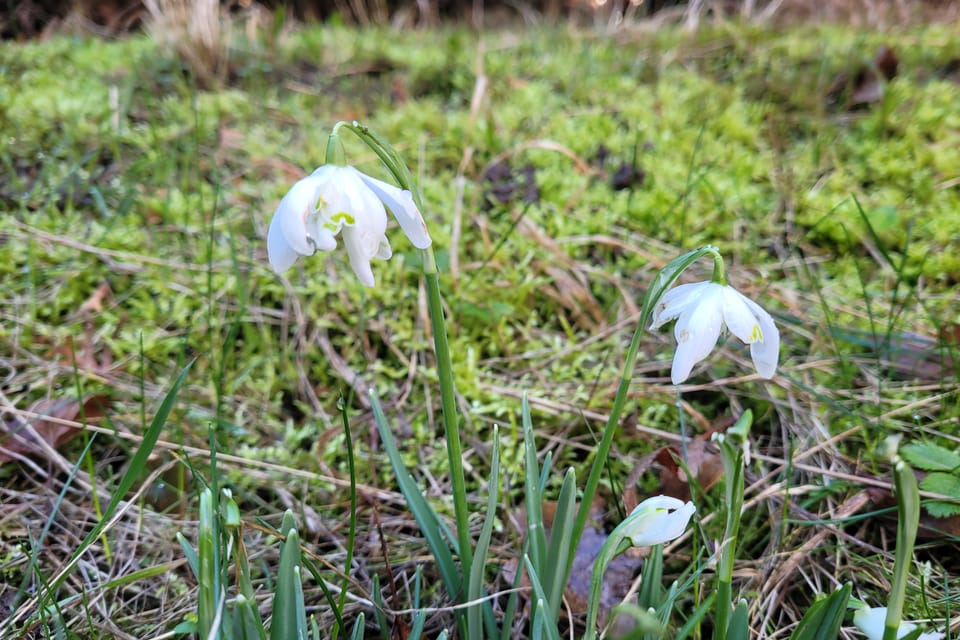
[[618, 577], [867, 84], [94, 304], [703, 459], [88, 353], [19, 437]]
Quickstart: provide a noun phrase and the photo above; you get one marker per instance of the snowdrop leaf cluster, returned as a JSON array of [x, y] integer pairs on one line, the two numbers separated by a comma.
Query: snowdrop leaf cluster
[[342, 200]]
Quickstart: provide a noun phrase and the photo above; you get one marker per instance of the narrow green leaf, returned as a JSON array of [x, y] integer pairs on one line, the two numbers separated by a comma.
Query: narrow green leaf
[[358, 627], [475, 583], [561, 537], [651, 585], [823, 619], [134, 469], [289, 619], [416, 629], [190, 554], [247, 624], [378, 609], [550, 629], [422, 512], [739, 628], [533, 498], [208, 580]]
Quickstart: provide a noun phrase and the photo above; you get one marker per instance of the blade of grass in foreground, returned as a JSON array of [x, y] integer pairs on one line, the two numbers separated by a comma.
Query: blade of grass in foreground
[[425, 516], [475, 580]]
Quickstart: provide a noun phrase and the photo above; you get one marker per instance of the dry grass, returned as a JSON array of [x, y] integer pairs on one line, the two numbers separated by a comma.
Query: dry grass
[[810, 470]]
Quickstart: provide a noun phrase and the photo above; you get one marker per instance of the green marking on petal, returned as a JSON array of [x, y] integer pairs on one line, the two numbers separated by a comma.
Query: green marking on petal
[[756, 334], [329, 226], [344, 217]]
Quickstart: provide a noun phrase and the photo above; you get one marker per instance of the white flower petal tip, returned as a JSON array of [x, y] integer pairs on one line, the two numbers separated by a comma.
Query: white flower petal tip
[[702, 310], [657, 520], [341, 200], [871, 621]]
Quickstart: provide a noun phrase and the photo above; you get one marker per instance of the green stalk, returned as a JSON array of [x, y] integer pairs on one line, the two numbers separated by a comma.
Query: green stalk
[[449, 404], [908, 521], [661, 283]]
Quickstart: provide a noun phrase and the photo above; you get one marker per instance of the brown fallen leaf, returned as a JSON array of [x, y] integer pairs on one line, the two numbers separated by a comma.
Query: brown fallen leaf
[[617, 579], [866, 84], [19, 437], [94, 304]]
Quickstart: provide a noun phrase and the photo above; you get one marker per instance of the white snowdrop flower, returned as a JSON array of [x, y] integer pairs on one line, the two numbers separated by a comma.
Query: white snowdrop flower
[[701, 310], [341, 200], [657, 520]]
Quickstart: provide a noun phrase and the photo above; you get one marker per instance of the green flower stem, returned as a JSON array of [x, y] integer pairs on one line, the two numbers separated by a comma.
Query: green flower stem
[[449, 403], [613, 545], [719, 269], [664, 279], [606, 441], [908, 521]]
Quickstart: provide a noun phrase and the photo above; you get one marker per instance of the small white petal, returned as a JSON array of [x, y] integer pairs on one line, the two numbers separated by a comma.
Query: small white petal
[[279, 252], [363, 244], [291, 215], [401, 204], [677, 300], [870, 621], [766, 352], [739, 317], [697, 332]]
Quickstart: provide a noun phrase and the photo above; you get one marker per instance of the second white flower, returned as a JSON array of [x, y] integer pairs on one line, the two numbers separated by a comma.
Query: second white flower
[[701, 310]]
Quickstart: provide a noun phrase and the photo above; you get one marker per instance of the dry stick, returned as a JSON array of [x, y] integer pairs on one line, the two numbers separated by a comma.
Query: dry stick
[[849, 507]]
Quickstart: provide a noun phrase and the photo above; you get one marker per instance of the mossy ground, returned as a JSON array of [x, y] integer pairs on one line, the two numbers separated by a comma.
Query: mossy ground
[[560, 170]]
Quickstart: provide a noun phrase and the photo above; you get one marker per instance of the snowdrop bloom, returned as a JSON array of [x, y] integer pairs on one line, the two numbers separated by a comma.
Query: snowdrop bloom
[[871, 620], [701, 310], [657, 520], [341, 199]]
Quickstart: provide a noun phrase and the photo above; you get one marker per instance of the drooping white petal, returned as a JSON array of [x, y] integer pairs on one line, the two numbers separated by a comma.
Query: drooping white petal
[[697, 332], [765, 352], [401, 204], [363, 244], [279, 252], [677, 300], [658, 520], [321, 237], [739, 317], [291, 215]]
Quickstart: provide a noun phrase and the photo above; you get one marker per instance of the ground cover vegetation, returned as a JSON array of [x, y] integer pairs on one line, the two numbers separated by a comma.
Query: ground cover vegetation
[[560, 171]]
